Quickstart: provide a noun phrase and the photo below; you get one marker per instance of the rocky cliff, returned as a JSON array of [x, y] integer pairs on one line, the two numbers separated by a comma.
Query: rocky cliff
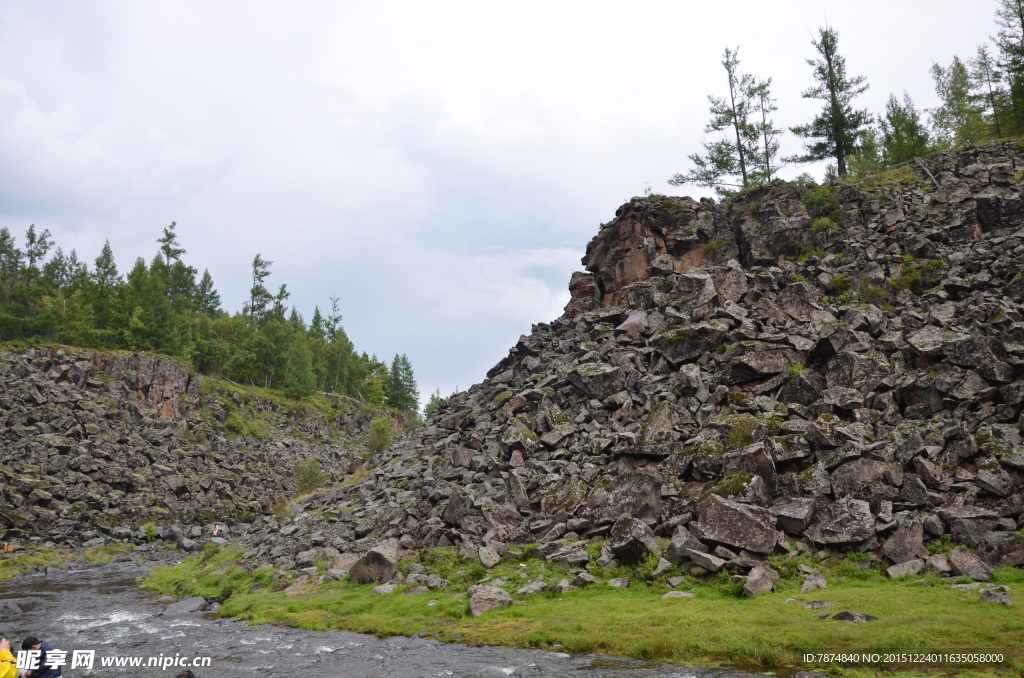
[[93, 446], [838, 365]]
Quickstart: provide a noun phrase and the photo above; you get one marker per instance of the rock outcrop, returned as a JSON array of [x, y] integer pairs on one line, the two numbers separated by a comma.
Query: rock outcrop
[[93, 446], [838, 365]]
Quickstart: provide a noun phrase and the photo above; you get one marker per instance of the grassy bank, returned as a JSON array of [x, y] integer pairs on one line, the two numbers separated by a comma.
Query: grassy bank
[[12, 564], [719, 626]]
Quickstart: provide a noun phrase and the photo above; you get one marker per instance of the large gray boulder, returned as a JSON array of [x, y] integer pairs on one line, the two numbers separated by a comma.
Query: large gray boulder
[[906, 543], [682, 541], [633, 494], [632, 540], [760, 580], [903, 569], [967, 564], [484, 598], [1002, 549], [846, 521], [796, 514], [724, 521], [188, 606], [377, 565], [489, 556], [705, 560], [969, 524]]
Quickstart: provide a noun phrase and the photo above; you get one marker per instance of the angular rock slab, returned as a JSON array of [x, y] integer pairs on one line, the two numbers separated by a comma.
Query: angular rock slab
[[796, 514], [1002, 549], [906, 543], [738, 525], [905, 568], [967, 564], [760, 580], [377, 565], [846, 521], [705, 560], [632, 540]]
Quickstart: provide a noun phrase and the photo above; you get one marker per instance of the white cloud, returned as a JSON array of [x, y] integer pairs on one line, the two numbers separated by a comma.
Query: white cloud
[[440, 166]]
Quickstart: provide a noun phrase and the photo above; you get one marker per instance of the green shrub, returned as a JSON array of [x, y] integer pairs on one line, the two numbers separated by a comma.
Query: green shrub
[[381, 435], [238, 423], [716, 245], [820, 201], [824, 224], [308, 476], [150, 530], [840, 283], [871, 294], [919, 277]]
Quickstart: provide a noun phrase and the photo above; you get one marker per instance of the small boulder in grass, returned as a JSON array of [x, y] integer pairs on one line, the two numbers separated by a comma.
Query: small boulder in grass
[[813, 582], [818, 604], [910, 567], [619, 582], [853, 617], [996, 597], [484, 598], [760, 580], [678, 594]]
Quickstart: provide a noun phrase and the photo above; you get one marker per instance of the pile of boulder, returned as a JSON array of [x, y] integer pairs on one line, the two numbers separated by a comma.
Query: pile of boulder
[[837, 366], [98, 448]]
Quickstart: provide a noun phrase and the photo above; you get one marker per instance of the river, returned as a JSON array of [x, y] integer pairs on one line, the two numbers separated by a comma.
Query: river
[[102, 609]]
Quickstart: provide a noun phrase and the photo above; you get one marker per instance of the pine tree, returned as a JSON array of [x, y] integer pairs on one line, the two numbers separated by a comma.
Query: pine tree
[[767, 132], [207, 299], [432, 404], [400, 390], [987, 81], [957, 119], [744, 117], [259, 297], [904, 136], [1010, 42], [834, 132], [104, 294], [169, 245], [299, 379]]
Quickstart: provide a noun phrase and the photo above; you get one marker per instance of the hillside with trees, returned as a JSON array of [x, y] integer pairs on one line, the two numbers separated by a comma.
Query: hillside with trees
[[165, 306], [981, 99]]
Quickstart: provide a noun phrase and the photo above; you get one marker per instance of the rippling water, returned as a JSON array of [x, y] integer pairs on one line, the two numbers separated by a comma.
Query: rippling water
[[103, 609]]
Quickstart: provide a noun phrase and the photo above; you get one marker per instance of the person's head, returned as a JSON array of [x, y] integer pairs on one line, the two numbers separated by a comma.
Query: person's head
[[186, 674], [30, 643]]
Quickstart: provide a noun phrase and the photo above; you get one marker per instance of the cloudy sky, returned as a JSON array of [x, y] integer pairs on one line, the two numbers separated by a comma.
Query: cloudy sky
[[439, 166]]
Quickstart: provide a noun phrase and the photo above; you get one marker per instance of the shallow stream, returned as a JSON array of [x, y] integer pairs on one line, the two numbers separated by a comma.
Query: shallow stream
[[104, 610]]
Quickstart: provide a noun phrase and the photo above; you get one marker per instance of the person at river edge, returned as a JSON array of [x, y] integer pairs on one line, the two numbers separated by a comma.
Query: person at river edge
[[44, 671], [8, 669]]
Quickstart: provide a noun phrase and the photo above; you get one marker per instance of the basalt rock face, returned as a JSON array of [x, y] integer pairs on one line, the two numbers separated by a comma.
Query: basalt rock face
[[803, 364], [92, 446]]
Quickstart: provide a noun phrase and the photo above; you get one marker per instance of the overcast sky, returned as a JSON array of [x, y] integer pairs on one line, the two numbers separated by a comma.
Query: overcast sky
[[439, 166]]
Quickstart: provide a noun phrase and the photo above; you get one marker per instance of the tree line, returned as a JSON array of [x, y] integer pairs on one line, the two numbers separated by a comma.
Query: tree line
[[166, 307], [980, 99]]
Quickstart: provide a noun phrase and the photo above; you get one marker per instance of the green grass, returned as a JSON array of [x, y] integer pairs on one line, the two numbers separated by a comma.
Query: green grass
[[717, 627], [14, 564]]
